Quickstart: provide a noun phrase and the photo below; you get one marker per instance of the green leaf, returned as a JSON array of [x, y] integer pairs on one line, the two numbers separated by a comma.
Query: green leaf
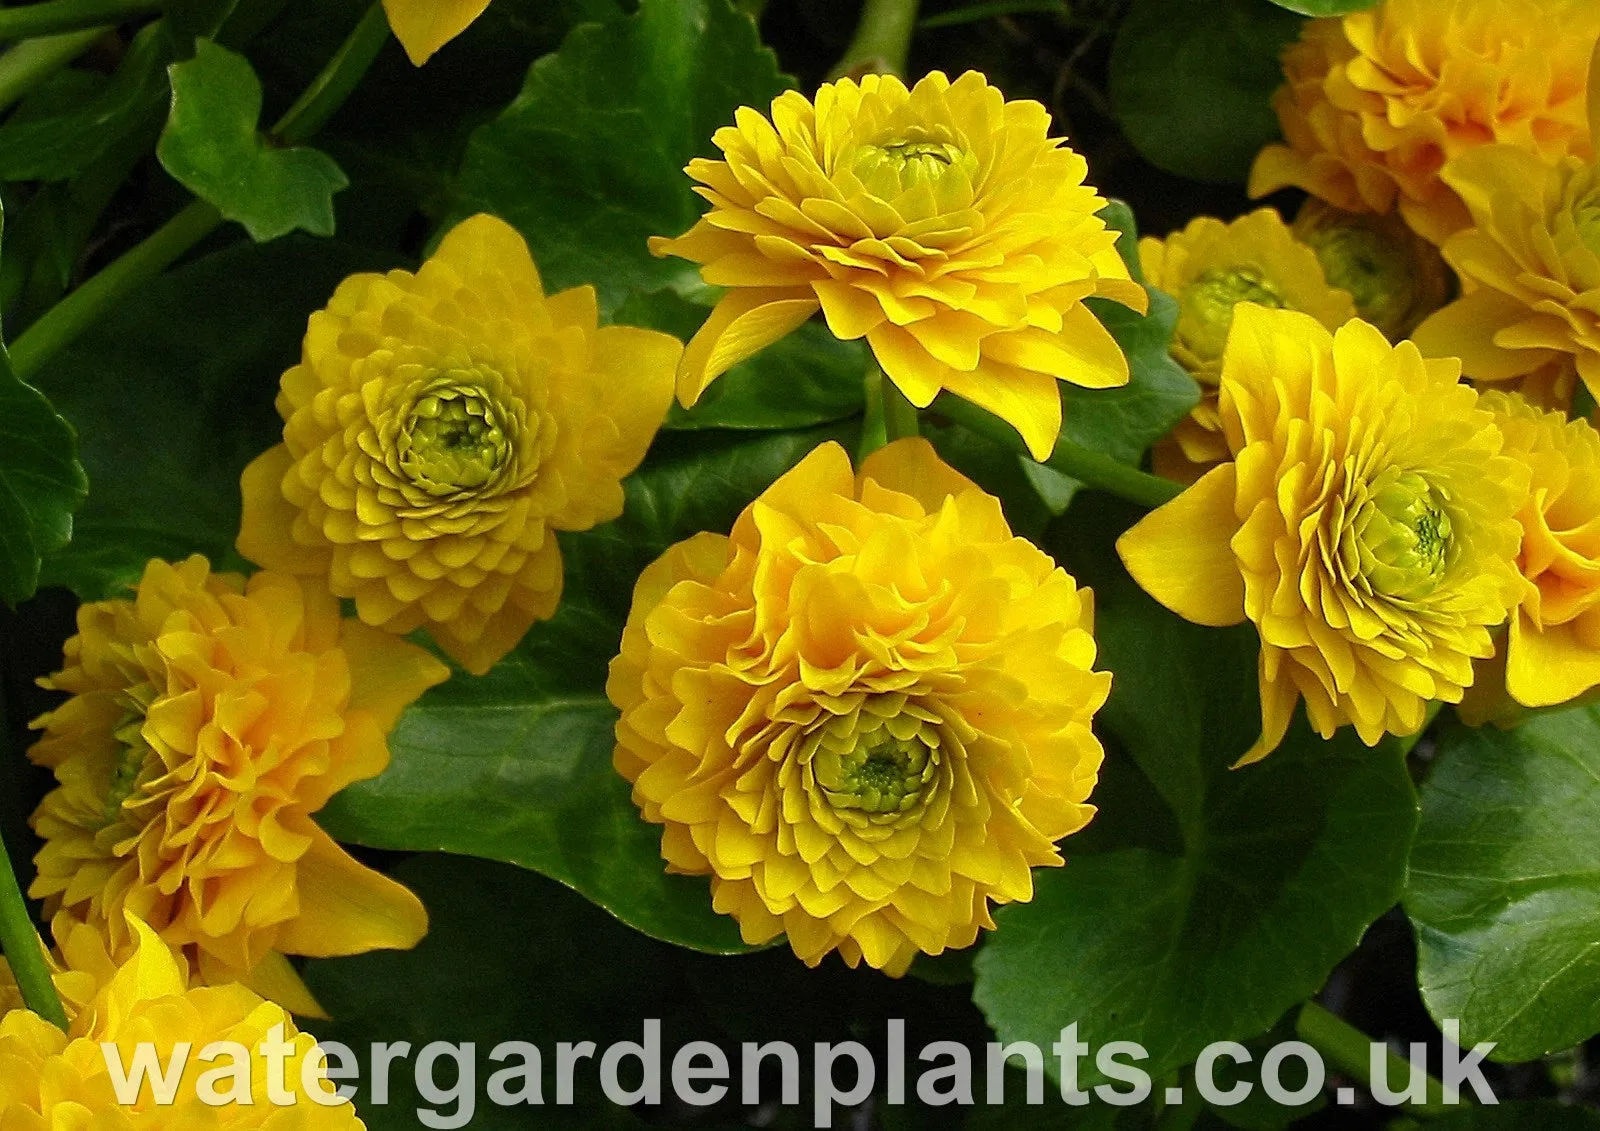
[[41, 483], [1282, 866], [1191, 84], [1320, 8], [211, 145], [1505, 879], [809, 377], [516, 765], [588, 161], [509, 956], [171, 394], [1124, 422]]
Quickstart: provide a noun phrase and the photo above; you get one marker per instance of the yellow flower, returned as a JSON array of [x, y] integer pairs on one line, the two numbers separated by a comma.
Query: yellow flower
[[1208, 267], [1396, 277], [943, 224], [81, 966], [424, 26], [210, 718], [1530, 267], [866, 713], [1376, 102], [440, 428], [1553, 648], [57, 1080], [1365, 525]]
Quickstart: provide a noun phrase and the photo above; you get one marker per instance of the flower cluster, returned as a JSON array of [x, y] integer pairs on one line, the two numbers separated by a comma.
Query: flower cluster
[[865, 713], [941, 223], [55, 1079], [1365, 524], [210, 717], [1378, 102]]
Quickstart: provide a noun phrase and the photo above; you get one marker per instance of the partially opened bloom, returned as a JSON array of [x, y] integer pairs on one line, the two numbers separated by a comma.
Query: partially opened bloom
[[424, 26], [866, 713], [1395, 277], [210, 718], [1365, 525], [440, 428], [60, 1080], [1377, 102], [1209, 267], [1530, 265], [941, 223], [1553, 647]]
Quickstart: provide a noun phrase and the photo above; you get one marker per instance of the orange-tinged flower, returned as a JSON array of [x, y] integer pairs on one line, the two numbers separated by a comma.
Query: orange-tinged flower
[[1376, 102], [1209, 267], [424, 26], [1365, 525], [1553, 647], [210, 718], [55, 1080], [866, 713], [440, 428], [1530, 266], [941, 223]]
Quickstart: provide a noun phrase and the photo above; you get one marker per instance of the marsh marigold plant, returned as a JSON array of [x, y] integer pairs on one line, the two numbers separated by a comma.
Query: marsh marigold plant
[[1376, 102], [440, 428], [1530, 265], [58, 1080], [1365, 525], [210, 718], [1209, 267], [941, 223], [865, 713]]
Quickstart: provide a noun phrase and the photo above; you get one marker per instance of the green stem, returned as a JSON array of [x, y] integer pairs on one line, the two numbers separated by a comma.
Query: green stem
[[973, 13], [342, 74], [55, 16], [1347, 1048], [23, 950], [62, 323], [899, 414], [882, 40], [29, 63]]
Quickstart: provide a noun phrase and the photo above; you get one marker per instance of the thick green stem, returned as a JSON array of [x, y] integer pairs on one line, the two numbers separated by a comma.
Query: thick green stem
[[62, 323], [24, 952], [899, 414], [973, 13], [29, 63], [1348, 1049], [341, 75], [882, 40], [56, 16]]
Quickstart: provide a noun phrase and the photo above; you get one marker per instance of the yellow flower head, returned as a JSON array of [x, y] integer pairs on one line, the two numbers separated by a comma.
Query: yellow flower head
[[81, 965], [865, 713], [1365, 525], [440, 428], [1530, 268], [424, 26], [1209, 267], [1376, 102], [57, 1080], [942, 223], [1396, 277], [1553, 650], [210, 718]]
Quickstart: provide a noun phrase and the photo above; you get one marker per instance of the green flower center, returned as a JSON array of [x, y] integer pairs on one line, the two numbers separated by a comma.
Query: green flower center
[[1404, 536], [1375, 271], [893, 167], [135, 754], [1205, 306], [882, 774], [453, 440], [1586, 219]]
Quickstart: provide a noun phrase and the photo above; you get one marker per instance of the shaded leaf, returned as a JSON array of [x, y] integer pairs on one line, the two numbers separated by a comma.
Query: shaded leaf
[[1325, 7], [41, 483]]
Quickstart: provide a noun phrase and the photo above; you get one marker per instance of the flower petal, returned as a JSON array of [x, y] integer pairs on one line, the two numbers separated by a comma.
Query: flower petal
[[1180, 552]]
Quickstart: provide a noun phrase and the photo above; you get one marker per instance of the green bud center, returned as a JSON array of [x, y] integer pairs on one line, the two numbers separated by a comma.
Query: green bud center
[[1403, 534], [453, 440], [883, 774], [1586, 218], [1375, 271], [893, 167], [134, 755], [1206, 305]]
